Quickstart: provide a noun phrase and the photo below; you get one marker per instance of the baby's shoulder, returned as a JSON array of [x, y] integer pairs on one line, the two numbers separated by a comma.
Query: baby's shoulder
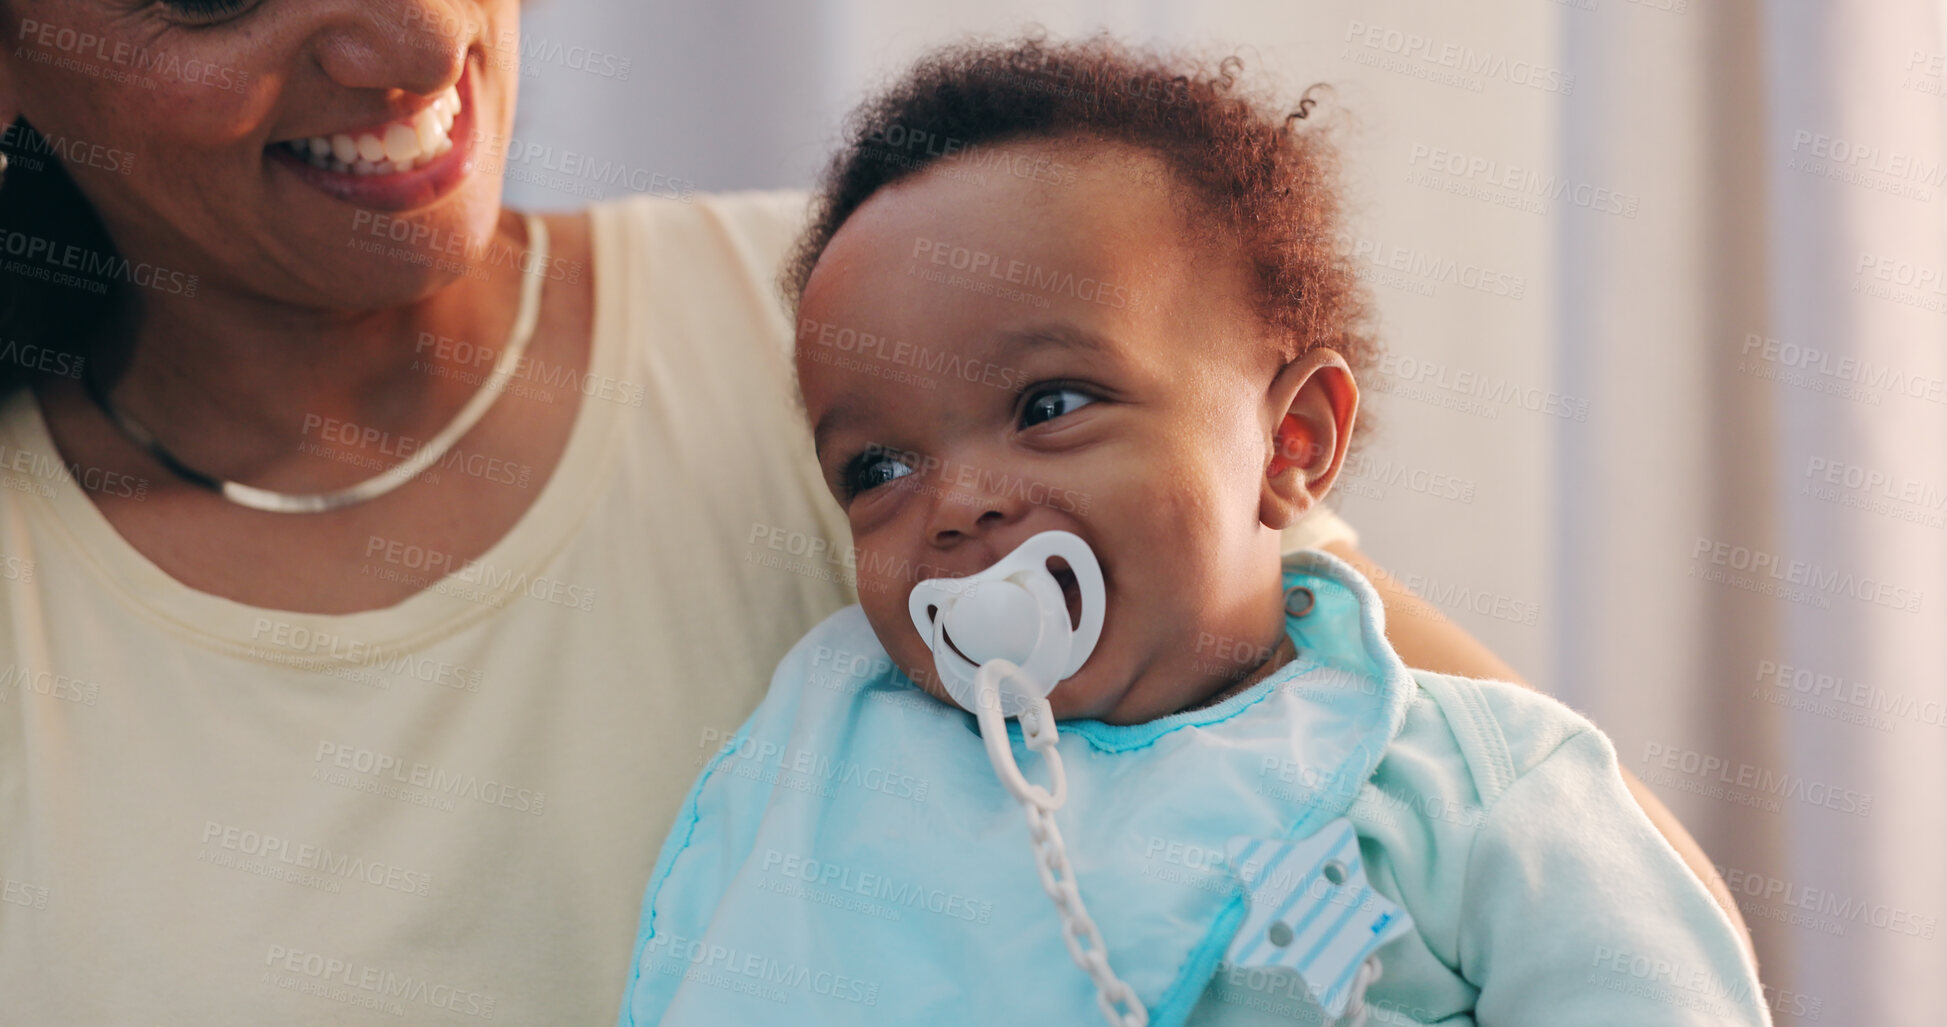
[[1469, 740], [842, 647]]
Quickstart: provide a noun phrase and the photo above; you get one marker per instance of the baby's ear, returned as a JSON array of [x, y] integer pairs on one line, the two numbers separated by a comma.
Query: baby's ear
[[1309, 411]]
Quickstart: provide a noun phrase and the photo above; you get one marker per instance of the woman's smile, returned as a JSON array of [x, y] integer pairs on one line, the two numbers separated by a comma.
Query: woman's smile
[[394, 165]]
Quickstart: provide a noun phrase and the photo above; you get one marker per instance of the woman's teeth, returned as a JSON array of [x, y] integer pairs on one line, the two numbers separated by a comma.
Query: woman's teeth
[[399, 146]]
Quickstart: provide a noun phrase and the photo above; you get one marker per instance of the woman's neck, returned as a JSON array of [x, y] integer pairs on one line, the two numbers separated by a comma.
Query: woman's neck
[[251, 379]]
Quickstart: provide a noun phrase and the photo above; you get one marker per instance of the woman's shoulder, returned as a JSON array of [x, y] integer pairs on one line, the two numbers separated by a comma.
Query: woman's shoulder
[[759, 225], [697, 274]]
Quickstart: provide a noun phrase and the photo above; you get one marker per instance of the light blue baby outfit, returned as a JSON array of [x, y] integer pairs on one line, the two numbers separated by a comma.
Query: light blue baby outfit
[[849, 857]]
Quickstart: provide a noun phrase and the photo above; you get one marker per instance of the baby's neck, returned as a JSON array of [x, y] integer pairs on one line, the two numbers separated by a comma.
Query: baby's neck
[[1283, 653]]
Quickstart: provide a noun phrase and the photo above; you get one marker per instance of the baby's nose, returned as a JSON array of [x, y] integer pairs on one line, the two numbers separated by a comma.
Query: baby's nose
[[948, 530], [974, 508]]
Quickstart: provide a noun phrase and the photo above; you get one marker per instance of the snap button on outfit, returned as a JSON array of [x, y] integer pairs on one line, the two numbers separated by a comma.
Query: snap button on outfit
[[1298, 601]]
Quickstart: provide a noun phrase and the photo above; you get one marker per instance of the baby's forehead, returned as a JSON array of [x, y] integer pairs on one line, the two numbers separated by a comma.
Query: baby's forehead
[[921, 246], [1036, 194], [954, 277]]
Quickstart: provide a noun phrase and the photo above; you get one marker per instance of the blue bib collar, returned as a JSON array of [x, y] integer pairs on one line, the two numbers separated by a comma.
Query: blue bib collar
[[848, 855]]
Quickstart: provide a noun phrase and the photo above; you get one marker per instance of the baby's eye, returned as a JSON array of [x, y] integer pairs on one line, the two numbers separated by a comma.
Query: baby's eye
[[871, 469], [1049, 404], [205, 11]]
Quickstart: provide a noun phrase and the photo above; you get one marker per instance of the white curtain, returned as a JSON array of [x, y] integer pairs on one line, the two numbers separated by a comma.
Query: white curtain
[[1665, 416]]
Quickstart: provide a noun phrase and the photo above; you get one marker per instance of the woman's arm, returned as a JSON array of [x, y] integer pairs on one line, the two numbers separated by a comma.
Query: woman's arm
[[1425, 638]]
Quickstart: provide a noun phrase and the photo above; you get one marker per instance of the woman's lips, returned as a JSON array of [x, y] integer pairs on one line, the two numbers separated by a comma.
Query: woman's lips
[[395, 166]]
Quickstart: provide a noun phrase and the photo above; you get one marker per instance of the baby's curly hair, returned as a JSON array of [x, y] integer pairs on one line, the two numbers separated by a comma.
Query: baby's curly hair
[[1261, 174]]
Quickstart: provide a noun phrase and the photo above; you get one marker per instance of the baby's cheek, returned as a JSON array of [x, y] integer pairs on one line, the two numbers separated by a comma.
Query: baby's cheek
[[916, 662], [887, 614]]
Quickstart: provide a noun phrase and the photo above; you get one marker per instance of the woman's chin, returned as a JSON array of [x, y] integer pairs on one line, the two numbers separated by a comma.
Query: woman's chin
[[367, 260]]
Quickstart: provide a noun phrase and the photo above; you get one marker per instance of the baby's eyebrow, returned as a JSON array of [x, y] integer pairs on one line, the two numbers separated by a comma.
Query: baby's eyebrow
[[1060, 335], [838, 415]]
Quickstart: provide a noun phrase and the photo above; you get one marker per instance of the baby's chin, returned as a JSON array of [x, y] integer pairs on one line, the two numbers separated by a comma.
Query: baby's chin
[[1086, 696]]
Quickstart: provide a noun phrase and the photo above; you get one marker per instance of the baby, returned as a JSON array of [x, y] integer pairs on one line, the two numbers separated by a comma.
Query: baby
[[1074, 289]]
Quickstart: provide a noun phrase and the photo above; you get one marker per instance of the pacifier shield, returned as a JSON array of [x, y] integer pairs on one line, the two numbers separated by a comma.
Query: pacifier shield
[[1014, 610], [997, 620]]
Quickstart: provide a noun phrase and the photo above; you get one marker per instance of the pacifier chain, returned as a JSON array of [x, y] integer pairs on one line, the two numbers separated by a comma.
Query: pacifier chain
[[1013, 620], [1113, 996], [1355, 1009]]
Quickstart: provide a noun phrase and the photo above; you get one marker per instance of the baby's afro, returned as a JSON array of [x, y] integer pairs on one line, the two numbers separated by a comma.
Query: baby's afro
[[1260, 173]]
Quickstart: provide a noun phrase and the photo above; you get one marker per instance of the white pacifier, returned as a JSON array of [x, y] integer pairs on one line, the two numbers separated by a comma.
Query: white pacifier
[[1013, 611], [1002, 640]]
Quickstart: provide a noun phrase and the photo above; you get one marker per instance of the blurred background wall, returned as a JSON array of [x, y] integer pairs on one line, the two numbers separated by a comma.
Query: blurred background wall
[[1665, 413]]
